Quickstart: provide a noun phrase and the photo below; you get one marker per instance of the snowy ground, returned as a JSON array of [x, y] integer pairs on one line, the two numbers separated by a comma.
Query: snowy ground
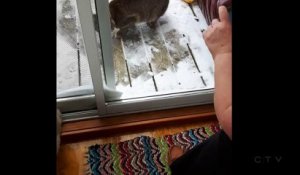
[[70, 49], [158, 61]]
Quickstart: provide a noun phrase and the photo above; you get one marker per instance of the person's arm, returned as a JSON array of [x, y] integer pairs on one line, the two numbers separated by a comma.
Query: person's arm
[[223, 91], [218, 40]]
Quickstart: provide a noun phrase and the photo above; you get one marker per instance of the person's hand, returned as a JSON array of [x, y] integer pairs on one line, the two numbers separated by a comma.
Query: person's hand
[[218, 35]]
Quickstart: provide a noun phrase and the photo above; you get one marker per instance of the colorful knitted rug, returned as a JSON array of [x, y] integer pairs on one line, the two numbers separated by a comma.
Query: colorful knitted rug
[[143, 155]]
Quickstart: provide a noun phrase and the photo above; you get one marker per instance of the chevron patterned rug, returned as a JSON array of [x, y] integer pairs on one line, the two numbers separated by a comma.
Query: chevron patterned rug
[[143, 155]]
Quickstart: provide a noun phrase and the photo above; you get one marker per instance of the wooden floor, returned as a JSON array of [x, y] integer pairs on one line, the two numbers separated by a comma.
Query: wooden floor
[[71, 158]]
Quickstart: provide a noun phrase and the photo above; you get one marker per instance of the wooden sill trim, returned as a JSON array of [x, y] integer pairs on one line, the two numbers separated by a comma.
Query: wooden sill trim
[[93, 128]]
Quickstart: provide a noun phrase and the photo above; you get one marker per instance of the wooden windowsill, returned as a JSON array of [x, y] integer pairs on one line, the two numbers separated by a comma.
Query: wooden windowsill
[[90, 129]]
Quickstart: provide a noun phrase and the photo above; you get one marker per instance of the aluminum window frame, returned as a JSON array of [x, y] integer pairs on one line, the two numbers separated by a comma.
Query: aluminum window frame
[[97, 100]]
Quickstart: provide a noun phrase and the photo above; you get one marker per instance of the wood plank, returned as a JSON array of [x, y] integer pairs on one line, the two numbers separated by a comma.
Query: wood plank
[[67, 56], [201, 19], [138, 65], [106, 126], [83, 65], [121, 75], [158, 56], [173, 26], [198, 47]]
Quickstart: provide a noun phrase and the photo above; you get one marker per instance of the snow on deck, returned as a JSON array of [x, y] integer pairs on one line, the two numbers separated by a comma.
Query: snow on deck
[[169, 59]]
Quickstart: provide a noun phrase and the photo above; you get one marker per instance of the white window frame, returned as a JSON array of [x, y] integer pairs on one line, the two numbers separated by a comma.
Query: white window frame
[[105, 109]]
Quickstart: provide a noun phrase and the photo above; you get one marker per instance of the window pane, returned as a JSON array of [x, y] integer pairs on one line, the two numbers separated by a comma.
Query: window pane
[[73, 74], [167, 57]]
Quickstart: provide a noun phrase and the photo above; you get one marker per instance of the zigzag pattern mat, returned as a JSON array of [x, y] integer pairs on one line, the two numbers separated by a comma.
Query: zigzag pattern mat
[[143, 155]]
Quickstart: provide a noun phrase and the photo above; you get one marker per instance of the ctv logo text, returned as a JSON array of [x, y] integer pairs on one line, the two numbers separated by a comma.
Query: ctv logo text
[[267, 159]]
